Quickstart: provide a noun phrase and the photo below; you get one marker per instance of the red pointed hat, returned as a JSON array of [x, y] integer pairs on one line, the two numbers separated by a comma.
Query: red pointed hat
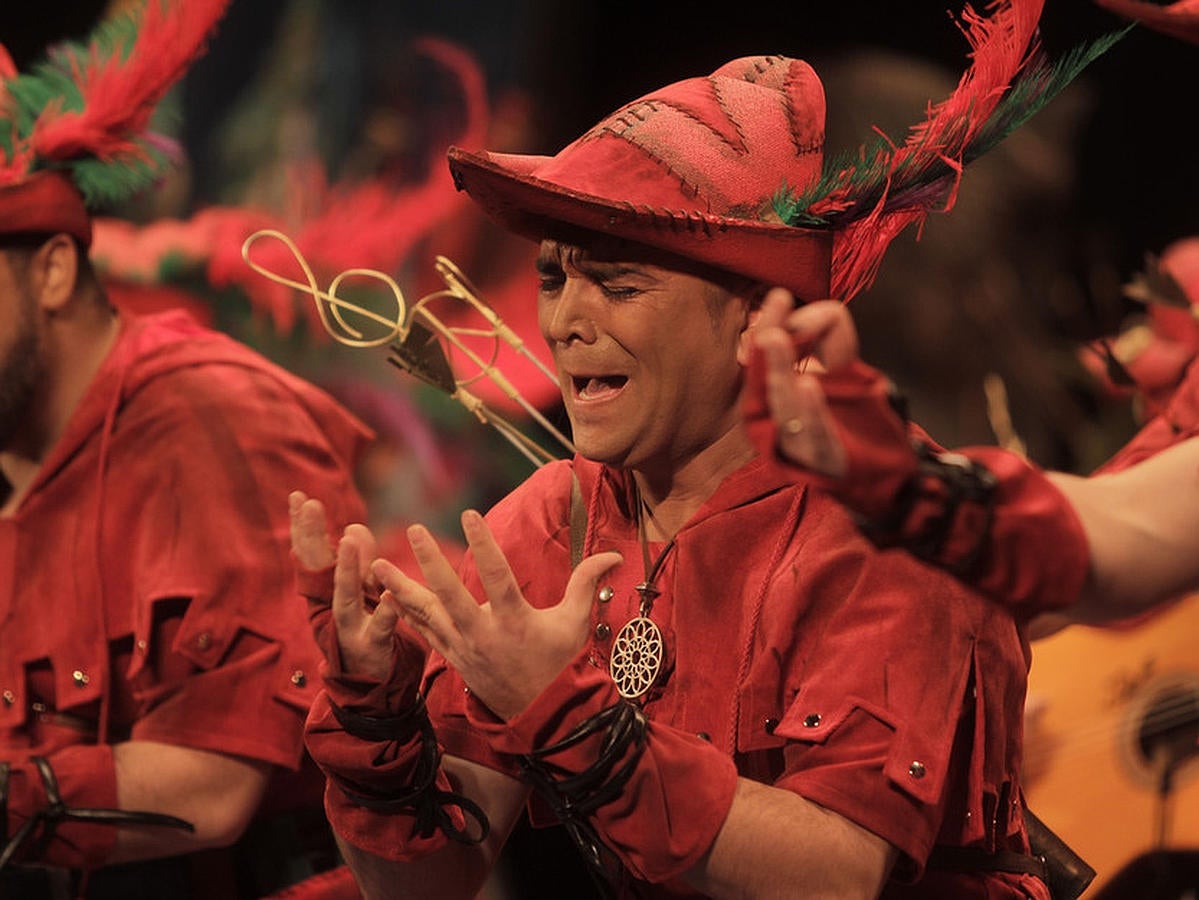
[[726, 169], [691, 168]]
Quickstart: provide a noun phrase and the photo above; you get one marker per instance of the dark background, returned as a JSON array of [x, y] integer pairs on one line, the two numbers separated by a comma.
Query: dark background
[[1064, 245], [582, 58]]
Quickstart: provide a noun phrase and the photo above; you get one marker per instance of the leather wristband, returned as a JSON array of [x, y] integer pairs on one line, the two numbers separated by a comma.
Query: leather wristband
[[1035, 557], [655, 796], [386, 792], [983, 513], [942, 514]]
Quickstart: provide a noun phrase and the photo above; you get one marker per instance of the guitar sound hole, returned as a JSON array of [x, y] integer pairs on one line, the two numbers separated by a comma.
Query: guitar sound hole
[[1168, 733]]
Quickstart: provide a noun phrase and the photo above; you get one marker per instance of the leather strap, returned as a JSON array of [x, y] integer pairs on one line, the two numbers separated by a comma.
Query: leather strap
[[578, 521], [976, 859]]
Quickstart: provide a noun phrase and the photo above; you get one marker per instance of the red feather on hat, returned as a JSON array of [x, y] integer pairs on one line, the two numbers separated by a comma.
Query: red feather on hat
[[87, 108], [872, 197], [119, 92]]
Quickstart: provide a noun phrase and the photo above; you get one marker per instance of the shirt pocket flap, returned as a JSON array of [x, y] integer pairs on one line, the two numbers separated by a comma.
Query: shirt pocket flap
[[915, 763]]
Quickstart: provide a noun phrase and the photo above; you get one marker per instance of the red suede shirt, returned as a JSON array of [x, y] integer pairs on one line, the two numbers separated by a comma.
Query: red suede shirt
[[146, 590], [859, 679]]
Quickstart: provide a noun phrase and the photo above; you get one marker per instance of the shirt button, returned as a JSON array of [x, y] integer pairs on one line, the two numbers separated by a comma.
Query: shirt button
[[203, 640], [80, 678], [606, 593], [703, 736], [916, 769], [811, 720], [298, 678], [9, 698], [603, 631], [770, 724]]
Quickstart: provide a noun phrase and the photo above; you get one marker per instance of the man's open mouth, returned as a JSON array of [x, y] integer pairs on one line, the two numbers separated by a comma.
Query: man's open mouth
[[596, 387]]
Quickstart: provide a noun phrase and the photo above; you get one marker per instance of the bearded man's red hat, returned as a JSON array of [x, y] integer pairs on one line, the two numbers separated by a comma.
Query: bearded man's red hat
[[75, 130]]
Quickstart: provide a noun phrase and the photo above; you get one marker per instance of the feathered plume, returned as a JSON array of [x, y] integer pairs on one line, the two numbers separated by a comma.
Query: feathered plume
[[869, 197], [374, 224], [87, 107], [1180, 19]]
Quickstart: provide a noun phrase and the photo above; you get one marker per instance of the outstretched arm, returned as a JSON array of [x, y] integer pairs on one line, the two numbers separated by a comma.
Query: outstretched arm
[[1142, 526], [1107, 547]]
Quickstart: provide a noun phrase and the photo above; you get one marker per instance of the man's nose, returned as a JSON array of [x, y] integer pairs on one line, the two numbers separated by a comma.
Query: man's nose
[[570, 315]]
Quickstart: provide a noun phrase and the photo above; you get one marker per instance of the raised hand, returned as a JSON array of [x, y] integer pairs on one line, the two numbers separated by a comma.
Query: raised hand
[[506, 650], [343, 593], [828, 412], [786, 336]]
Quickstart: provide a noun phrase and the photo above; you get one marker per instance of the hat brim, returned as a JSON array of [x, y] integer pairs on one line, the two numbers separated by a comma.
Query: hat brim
[[508, 190]]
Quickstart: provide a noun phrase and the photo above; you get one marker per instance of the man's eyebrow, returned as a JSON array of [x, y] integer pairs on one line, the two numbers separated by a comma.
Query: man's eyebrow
[[553, 261], [548, 265], [602, 270], [597, 269]]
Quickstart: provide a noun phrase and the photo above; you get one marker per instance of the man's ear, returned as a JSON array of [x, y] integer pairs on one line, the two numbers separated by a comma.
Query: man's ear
[[53, 272]]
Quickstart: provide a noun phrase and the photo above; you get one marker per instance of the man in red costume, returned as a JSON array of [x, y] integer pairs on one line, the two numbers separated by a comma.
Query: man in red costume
[[155, 668], [685, 654]]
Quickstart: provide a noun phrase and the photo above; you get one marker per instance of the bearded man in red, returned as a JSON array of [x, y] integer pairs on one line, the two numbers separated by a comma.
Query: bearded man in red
[[155, 666]]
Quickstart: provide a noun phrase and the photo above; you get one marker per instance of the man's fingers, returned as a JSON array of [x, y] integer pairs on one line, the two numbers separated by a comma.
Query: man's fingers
[[776, 305], [825, 327], [364, 540], [495, 574], [585, 579], [418, 606], [810, 437], [309, 532], [441, 577], [348, 608]]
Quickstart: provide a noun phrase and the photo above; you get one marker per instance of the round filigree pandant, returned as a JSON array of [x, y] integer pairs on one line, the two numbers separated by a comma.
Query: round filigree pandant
[[636, 657]]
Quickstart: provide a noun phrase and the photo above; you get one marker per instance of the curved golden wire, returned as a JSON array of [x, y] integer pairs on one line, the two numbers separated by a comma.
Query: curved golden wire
[[333, 305], [330, 308]]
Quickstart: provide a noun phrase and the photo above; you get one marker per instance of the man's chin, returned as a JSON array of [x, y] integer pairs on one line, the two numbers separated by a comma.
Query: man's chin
[[602, 451]]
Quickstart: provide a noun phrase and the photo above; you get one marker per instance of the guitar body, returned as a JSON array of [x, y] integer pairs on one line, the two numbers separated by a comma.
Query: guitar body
[[1113, 718]]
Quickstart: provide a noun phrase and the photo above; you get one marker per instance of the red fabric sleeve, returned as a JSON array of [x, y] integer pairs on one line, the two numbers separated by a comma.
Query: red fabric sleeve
[[229, 444], [383, 766], [1036, 557], [1033, 552], [86, 779], [380, 765], [671, 808], [876, 440]]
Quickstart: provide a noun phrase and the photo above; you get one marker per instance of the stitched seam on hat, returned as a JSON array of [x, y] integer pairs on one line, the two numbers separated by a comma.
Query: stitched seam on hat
[[627, 133]]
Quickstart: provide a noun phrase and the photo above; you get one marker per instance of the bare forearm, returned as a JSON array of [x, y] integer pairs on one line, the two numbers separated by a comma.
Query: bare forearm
[[216, 793], [1142, 525], [773, 840], [139, 794]]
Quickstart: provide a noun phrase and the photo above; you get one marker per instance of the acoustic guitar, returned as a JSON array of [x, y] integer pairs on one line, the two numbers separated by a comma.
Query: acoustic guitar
[[1112, 738]]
